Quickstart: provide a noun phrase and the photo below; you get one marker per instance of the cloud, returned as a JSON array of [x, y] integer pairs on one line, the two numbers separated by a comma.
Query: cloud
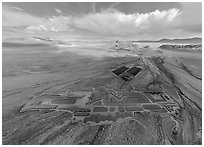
[[13, 16], [58, 11], [113, 5], [17, 8], [93, 7], [16, 17], [110, 22], [191, 18], [118, 23], [54, 24]]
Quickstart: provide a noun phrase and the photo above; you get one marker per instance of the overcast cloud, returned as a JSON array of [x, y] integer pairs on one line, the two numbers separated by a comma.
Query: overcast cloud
[[110, 22]]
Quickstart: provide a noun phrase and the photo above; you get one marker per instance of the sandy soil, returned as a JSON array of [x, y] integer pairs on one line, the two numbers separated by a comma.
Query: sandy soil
[[28, 71]]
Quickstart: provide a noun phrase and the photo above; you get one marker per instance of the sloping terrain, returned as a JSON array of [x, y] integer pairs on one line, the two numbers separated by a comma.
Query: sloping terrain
[[152, 97]]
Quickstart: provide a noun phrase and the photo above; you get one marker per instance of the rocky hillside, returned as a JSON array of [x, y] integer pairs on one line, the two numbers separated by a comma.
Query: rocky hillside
[[124, 46], [181, 47]]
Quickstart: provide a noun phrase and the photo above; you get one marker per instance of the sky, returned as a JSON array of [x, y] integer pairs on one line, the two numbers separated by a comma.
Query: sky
[[102, 20]]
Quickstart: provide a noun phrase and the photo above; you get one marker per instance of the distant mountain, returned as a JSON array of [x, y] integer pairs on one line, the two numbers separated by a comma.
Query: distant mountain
[[181, 47], [195, 40]]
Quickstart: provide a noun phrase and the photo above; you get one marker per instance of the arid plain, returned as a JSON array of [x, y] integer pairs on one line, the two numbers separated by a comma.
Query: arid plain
[[115, 92]]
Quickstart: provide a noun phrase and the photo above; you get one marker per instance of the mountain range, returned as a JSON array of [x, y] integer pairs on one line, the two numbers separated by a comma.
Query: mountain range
[[194, 40]]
